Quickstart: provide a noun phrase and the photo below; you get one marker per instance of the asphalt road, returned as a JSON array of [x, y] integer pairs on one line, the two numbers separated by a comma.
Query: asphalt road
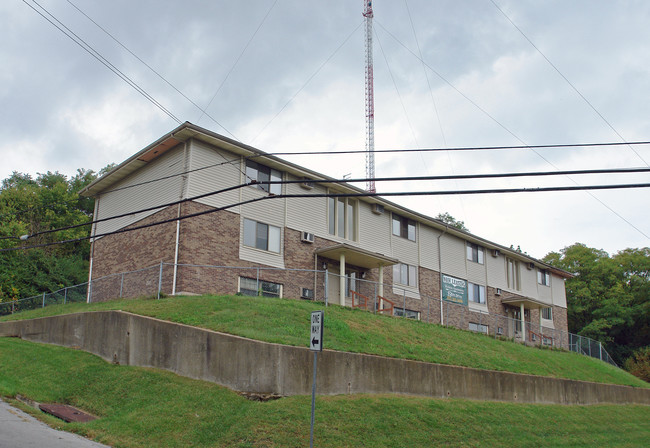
[[21, 430]]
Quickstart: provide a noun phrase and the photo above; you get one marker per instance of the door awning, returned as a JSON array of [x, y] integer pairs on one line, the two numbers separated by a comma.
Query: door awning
[[356, 256], [528, 302]]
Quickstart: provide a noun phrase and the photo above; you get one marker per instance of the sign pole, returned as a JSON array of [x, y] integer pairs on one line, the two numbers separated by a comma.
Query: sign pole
[[315, 345]]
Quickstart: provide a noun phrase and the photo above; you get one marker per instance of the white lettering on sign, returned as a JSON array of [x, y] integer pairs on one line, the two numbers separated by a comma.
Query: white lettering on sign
[[316, 337]]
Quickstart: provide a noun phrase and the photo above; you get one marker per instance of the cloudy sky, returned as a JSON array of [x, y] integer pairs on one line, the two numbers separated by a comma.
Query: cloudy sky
[[288, 75]]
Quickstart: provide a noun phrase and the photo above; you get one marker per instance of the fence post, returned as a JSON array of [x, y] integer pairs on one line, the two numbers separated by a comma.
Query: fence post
[[43, 301], [121, 284], [65, 295], [160, 279], [374, 311], [257, 282], [326, 285], [601, 350], [404, 309]]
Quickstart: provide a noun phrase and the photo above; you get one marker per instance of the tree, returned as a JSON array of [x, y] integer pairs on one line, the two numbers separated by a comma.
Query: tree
[[608, 299], [29, 206], [451, 221]]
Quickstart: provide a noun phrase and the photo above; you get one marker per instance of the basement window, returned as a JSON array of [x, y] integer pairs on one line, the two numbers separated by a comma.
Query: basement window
[[262, 288]]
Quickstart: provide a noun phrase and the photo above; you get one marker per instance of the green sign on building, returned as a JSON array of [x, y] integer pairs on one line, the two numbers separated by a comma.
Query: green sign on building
[[454, 289]]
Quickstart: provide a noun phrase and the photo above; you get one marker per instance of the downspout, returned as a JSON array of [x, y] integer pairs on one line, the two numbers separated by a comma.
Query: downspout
[[178, 215], [440, 273], [92, 252]]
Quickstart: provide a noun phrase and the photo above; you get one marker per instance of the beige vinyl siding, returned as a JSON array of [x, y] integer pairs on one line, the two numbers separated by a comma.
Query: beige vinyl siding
[[269, 211], [139, 197], [544, 293], [428, 247], [215, 178], [405, 251], [453, 256], [496, 271], [374, 230], [558, 291], [476, 272], [307, 214], [528, 281]]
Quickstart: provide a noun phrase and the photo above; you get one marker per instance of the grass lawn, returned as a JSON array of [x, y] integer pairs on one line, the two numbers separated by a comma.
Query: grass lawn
[[286, 321], [140, 407]]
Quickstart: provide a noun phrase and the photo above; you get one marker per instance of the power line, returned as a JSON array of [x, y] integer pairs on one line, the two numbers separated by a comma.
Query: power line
[[336, 195], [307, 82], [150, 68], [385, 179], [567, 80], [94, 53], [237, 60]]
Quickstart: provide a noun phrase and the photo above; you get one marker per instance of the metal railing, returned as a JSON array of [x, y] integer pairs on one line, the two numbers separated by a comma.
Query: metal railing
[[387, 299]]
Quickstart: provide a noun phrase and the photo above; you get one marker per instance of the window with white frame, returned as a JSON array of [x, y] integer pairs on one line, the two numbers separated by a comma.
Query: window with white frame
[[261, 236], [543, 277], [342, 217], [254, 287], [475, 253], [405, 274], [405, 312], [263, 174], [476, 293], [403, 227], [547, 313], [512, 273], [480, 328]]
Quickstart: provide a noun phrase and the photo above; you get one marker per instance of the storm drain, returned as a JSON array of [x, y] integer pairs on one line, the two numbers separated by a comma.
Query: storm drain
[[66, 413]]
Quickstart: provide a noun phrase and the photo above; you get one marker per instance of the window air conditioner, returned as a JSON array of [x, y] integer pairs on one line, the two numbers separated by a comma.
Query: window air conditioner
[[306, 293], [531, 266], [307, 184], [500, 330], [496, 253], [306, 237], [377, 209], [498, 292]]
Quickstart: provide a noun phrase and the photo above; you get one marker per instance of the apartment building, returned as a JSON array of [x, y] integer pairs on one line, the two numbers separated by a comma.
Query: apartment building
[[241, 207]]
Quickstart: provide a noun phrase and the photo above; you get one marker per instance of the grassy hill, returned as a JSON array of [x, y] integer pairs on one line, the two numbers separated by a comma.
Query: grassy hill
[[286, 321], [140, 407]]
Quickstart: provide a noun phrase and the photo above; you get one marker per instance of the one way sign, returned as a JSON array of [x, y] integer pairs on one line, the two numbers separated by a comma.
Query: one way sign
[[316, 338]]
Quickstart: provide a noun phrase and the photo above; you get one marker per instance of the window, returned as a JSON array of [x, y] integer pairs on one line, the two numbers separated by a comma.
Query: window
[[263, 174], [403, 227], [405, 274], [253, 287], [543, 277], [512, 273], [410, 314], [342, 214], [480, 328], [261, 236], [547, 313], [475, 253], [476, 293]]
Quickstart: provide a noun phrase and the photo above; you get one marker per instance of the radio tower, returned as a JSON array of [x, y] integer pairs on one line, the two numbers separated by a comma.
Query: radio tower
[[370, 101]]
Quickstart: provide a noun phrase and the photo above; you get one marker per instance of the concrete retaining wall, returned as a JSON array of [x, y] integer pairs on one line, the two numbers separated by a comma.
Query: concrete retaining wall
[[259, 367]]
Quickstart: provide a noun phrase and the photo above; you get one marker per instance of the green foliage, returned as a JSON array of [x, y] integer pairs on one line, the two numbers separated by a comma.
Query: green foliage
[[451, 221], [29, 206], [140, 407], [639, 364], [609, 297], [286, 321]]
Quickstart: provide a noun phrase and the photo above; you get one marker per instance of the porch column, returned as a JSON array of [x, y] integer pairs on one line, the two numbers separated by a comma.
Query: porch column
[[523, 323], [380, 290], [342, 280]]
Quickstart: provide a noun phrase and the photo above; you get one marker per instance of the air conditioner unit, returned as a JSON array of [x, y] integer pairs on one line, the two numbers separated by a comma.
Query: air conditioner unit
[[307, 184], [498, 292], [306, 237], [377, 209], [306, 293], [531, 266], [496, 253], [500, 330]]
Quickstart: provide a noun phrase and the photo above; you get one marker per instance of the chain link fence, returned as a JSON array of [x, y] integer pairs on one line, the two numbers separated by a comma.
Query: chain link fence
[[316, 285]]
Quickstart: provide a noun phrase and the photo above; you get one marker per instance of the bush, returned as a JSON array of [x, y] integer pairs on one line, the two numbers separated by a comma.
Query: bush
[[639, 363]]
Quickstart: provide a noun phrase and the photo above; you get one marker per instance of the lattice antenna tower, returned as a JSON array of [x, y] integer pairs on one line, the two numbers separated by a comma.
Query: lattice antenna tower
[[370, 100]]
